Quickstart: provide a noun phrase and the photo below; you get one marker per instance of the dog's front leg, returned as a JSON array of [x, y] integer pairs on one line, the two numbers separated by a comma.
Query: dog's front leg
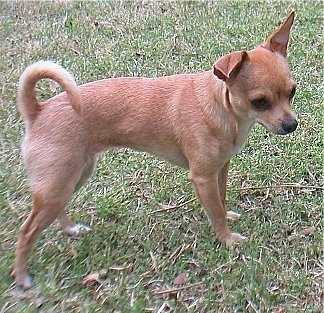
[[222, 182], [210, 193]]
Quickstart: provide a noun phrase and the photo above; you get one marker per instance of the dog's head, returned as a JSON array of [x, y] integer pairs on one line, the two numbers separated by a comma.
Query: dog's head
[[259, 83]]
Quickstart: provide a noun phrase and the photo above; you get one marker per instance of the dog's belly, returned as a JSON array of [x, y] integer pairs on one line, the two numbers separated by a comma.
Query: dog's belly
[[170, 153], [174, 156]]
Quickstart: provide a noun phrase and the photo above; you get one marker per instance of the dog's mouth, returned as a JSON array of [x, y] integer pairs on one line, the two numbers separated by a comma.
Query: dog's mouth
[[286, 127]]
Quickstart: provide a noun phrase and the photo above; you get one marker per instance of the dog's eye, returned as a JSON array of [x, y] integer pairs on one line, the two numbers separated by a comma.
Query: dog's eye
[[260, 104], [293, 91]]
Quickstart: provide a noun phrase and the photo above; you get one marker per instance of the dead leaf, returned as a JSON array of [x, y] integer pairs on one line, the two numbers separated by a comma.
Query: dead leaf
[[103, 273], [196, 267], [292, 238], [180, 279], [176, 289], [90, 279], [274, 289], [140, 53], [307, 230]]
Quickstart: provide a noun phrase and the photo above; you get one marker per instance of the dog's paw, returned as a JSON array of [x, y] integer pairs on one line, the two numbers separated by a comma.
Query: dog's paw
[[233, 215], [233, 238], [76, 230], [24, 282]]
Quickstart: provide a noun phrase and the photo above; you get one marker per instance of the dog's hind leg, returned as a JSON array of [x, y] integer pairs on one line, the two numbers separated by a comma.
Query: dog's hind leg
[[45, 209], [87, 170], [68, 226]]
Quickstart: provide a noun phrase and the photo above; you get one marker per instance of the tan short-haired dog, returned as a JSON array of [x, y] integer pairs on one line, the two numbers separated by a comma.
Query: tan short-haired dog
[[197, 121]]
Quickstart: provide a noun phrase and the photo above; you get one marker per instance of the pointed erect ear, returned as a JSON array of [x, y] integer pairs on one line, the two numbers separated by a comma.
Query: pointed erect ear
[[229, 65], [278, 41]]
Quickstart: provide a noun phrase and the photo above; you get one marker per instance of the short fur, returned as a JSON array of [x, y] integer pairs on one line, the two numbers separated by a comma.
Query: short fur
[[197, 121]]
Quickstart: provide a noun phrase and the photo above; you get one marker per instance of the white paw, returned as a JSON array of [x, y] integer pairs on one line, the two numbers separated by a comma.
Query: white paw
[[28, 282], [76, 230], [233, 215], [233, 238], [24, 282]]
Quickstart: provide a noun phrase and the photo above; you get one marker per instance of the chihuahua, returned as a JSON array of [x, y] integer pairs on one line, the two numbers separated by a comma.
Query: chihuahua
[[196, 121]]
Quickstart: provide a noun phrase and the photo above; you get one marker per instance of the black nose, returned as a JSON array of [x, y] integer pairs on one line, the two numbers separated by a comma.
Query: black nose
[[289, 125]]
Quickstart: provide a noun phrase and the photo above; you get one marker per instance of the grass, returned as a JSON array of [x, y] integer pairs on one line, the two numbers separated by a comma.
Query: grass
[[135, 250]]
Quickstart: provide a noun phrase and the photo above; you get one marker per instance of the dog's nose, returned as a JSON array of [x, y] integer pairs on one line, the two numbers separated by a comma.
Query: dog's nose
[[289, 125]]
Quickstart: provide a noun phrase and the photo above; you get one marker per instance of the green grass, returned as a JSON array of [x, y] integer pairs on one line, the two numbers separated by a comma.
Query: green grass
[[136, 250]]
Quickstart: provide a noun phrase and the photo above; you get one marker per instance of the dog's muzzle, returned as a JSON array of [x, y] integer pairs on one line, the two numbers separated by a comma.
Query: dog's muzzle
[[289, 125]]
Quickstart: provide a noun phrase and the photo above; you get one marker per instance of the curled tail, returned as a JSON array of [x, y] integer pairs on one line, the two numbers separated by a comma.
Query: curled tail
[[27, 101]]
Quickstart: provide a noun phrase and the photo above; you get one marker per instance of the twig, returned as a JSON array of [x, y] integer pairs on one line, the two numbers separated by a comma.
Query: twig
[[287, 185], [225, 264], [171, 207], [8, 306], [173, 290], [162, 308], [176, 252], [319, 274], [176, 255], [153, 261], [310, 174], [251, 305], [120, 268]]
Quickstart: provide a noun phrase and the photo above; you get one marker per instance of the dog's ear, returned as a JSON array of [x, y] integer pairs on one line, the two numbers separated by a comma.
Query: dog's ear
[[229, 65], [278, 41]]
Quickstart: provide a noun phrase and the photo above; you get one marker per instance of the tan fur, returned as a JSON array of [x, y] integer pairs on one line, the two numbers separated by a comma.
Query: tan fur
[[27, 102], [197, 121]]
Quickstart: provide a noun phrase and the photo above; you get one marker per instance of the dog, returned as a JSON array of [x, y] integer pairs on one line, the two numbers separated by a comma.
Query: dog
[[196, 121]]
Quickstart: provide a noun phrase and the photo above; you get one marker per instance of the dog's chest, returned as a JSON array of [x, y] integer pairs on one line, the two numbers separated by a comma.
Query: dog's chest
[[243, 130]]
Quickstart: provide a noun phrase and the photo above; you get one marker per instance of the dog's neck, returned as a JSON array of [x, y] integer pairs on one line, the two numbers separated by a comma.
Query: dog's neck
[[243, 125], [221, 114], [240, 126], [215, 105]]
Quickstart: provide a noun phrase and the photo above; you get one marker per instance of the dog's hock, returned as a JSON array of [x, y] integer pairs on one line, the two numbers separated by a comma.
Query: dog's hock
[[229, 65]]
